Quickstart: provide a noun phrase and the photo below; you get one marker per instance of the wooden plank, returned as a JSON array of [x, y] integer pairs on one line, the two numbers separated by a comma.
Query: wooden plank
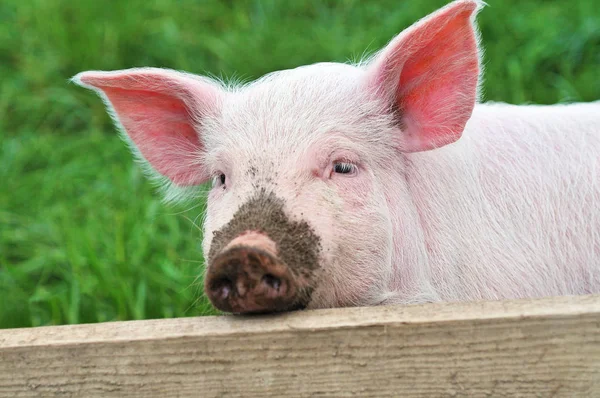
[[538, 348]]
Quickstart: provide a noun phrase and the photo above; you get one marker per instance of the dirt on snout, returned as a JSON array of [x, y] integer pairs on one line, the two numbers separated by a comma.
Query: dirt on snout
[[298, 245]]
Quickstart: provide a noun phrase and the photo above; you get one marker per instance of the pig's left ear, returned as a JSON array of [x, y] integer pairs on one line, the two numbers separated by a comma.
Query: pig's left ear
[[429, 74]]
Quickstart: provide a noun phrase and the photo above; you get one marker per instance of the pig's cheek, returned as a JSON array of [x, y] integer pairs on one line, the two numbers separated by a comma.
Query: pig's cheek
[[207, 232], [355, 192], [214, 218], [323, 295]]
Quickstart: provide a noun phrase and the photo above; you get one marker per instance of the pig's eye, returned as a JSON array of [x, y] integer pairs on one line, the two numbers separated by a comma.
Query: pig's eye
[[219, 180], [344, 168]]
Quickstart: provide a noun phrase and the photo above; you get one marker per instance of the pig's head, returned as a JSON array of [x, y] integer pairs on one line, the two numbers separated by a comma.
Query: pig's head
[[306, 164]]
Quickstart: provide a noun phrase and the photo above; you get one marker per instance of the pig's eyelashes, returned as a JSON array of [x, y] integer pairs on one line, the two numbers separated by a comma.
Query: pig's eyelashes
[[345, 168]]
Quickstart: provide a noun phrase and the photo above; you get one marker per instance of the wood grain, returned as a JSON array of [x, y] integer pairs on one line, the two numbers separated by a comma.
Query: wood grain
[[526, 348]]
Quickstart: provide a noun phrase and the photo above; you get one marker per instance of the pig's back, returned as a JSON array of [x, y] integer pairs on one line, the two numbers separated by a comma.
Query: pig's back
[[513, 208]]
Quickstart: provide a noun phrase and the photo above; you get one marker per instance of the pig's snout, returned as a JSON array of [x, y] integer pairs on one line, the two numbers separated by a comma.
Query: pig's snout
[[248, 277]]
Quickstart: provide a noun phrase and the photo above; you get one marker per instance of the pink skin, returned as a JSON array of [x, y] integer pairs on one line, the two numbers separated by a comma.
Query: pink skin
[[254, 239], [496, 214]]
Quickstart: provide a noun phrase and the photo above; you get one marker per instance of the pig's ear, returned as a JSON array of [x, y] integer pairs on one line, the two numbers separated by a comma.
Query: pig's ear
[[429, 75], [161, 112]]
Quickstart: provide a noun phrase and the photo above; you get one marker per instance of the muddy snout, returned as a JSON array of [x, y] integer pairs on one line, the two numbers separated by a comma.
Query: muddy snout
[[248, 278], [262, 260]]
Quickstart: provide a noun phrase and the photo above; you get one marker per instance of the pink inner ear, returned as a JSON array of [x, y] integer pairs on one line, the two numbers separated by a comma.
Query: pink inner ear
[[436, 69], [160, 127], [152, 110]]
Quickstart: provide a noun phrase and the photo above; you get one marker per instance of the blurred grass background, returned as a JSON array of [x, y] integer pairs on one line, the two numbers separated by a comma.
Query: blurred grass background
[[83, 236]]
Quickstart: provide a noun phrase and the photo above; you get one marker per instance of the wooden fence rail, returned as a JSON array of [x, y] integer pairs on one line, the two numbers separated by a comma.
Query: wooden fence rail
[[539, 348]]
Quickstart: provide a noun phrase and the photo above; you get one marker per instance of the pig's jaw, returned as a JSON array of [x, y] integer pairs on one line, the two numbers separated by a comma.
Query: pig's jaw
[[261, 261]]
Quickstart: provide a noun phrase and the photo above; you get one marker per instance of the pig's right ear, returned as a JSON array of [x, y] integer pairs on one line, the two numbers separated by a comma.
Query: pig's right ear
[[161, 112], [429, 75]]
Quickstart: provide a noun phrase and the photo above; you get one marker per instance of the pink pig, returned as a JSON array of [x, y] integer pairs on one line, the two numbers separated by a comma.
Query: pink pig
[[341, 185]]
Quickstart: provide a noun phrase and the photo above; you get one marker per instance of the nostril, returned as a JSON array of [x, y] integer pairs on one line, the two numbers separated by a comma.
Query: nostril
[[271, 281], [222, 288], [247, 279]]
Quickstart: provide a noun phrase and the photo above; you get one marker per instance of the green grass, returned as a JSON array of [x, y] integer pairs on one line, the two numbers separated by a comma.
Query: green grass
[[83, 236]]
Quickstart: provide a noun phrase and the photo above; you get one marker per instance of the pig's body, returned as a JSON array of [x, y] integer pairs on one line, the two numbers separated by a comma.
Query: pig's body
[[338, 185], [518, 216]]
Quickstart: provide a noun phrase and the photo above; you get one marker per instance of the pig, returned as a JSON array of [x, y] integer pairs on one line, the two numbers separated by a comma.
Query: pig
[[375, 183]]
